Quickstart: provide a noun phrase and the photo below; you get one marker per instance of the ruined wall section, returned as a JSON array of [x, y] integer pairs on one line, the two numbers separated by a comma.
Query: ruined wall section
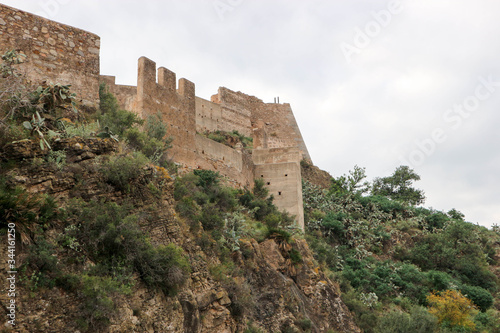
[[280, 126], [54, 52], [280, 170], [125, 95], [236, 110], [231, 163], [276, 122], [177, 107], [208, 116]]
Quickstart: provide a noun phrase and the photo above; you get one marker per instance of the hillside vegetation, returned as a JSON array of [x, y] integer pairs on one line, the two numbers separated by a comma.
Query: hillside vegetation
[[402, 267], [111, 238]]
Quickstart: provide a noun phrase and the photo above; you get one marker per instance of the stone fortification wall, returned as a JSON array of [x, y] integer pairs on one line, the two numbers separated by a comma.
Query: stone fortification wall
[[125, 95], [208, 116], [54, 52], [280, 170], [236, 110], [231, 163], [177, 107], [281, 127], [276, 122], [185, 114]]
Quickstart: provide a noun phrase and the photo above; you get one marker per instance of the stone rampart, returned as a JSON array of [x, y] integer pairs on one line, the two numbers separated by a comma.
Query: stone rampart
[[208, 116], [55, 52], [176, 106]]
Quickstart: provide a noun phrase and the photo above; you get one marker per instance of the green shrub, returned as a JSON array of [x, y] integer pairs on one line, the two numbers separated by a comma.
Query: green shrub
[[324, 253], [12, 132], [333, 225], [259, 189], [436, 220], [418, 321], [211, 217], [480, 296], [272, 220], [217, 137], [97, 295], [117, 121], [110, 235], [155, 127], [43, 263], [186, 207], [120, 171], [58, 158], [26, 209], [83, 130], [42, 257], [140, 141], [69, 282], [279, 234], [439, 280], [207, 179], [164, 267], [384, 204], [185, 186], [224, 198], [488, 321], [295, 256]]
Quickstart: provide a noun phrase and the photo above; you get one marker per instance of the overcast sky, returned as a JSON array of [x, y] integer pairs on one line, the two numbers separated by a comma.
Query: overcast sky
[[373, 83]]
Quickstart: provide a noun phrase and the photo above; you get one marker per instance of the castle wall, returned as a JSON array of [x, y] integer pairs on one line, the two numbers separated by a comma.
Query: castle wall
[[231, 163], [280, 170], [208, 116], [236, 111], [177, 107], [277, 124], [281, 127], [219, 152], [125, 95], [54, 52]]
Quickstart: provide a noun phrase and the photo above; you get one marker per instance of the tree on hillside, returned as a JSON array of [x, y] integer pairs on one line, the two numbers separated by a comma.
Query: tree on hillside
[[351, 183], [399, 186], [452, 309]]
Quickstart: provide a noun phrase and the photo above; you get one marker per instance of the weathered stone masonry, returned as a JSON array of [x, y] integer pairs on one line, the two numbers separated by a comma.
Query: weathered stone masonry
[[54, 52], [63, 54]]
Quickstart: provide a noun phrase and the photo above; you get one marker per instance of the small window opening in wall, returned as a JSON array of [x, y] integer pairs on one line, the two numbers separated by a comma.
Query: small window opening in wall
[[268, 183], [279, 193], [262, 176], [286, 175], [203, 152]]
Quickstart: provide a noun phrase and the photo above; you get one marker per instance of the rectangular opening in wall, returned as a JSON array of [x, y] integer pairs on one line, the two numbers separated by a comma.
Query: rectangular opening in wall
[[279, 193], [268, 183], [286, 175], [262, 176]]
